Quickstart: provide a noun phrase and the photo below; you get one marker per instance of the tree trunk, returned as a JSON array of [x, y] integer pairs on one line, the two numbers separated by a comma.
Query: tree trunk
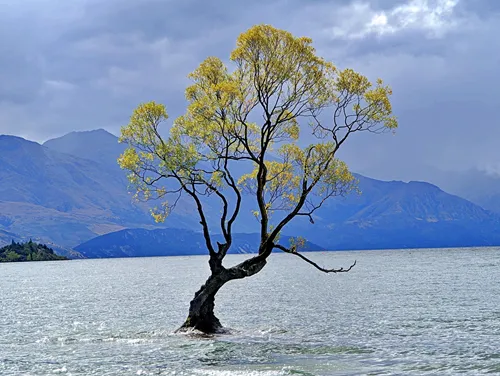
[[201, 309]]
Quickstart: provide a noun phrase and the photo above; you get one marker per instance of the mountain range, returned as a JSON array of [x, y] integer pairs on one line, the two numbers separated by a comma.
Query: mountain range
[[479, 186], [401, 215], [170, 241], [70, 193], [65, 193]]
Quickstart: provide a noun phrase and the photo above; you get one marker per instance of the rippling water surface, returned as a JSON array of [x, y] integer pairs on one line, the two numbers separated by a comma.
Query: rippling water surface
[[420, 312]]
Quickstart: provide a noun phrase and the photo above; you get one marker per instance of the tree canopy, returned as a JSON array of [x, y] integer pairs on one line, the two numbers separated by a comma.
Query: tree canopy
[[266, 128]]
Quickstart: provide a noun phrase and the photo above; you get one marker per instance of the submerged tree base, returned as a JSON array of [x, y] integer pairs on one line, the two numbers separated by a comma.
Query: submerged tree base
[[203, 329], [207, 325]]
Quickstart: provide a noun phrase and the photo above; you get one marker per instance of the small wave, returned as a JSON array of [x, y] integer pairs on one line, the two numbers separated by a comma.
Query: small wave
[[205, 372], [273, 330], [194, 333]]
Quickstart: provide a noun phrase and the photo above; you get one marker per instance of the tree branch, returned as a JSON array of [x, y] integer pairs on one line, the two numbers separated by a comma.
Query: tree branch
[[294, 252]]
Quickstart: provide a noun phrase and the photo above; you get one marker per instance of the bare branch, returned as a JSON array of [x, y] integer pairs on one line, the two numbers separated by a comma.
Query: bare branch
[[324, 270]]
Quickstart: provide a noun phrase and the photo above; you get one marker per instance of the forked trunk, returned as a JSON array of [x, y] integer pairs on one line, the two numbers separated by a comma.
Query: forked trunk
[[201, 309]]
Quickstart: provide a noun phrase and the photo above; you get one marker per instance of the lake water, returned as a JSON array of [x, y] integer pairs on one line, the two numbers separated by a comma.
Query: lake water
[[414, 312]]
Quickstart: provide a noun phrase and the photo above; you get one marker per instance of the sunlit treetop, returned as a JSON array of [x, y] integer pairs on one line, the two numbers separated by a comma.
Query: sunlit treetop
[[241, 136]]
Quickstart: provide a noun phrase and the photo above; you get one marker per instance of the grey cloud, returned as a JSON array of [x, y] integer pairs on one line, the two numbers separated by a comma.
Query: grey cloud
[[446, 92], [86, 64], [114, 55]]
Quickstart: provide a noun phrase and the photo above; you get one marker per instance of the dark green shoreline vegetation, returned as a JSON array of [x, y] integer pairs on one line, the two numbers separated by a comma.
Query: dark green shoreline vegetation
[[30, 251]]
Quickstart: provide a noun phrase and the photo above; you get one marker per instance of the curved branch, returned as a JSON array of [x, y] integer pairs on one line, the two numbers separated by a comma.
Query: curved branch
[[293, 252], [201, 213]]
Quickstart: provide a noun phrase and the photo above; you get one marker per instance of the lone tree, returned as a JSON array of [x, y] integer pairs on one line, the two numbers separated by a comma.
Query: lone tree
[[253, 114]]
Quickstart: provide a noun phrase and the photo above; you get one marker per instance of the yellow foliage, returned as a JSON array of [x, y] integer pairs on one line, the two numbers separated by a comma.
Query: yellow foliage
[[297, 243], [129, 160], [276, 84]]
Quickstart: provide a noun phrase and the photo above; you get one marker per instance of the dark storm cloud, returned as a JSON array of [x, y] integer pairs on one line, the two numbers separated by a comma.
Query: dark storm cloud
[[86, 64]]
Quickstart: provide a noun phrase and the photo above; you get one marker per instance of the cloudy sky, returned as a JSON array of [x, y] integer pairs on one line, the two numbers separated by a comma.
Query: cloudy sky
[[85, 64]]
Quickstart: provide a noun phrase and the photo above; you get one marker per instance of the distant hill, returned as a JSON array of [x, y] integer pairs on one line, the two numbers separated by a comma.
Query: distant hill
[[480, 187], [401, 215], [103, 148], [30, 251], [62, 198], [98, 145], [34, 174], [167, 242]]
